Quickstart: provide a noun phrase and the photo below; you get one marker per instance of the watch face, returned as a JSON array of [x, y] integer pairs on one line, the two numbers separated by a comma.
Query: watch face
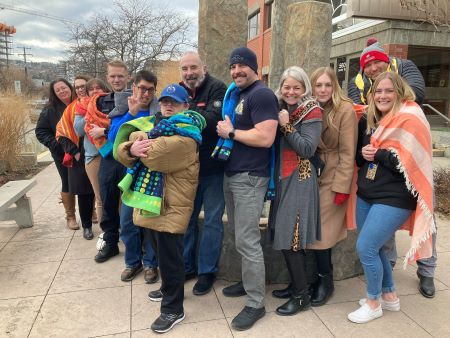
[[231, 135]]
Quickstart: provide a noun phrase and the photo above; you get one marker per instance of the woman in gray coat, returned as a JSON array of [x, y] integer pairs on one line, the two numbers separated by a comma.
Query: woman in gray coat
[[295, 213]]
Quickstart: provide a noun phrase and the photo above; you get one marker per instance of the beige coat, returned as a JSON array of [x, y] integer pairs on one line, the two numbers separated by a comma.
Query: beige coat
[[337, 149], [177, 158]]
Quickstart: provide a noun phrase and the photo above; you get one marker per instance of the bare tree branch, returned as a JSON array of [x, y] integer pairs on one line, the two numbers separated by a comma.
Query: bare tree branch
[[139, 33]]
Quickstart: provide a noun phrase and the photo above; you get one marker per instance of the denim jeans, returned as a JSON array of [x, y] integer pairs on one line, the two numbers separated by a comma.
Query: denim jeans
[[210, 195], [376, 224], [244, 198], [138, 250]]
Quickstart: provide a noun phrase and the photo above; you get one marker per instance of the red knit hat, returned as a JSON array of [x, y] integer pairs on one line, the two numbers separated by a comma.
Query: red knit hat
[[373, 51]]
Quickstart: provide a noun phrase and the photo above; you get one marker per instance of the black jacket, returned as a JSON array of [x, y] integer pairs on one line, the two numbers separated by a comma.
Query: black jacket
[[207, 101], [406, 69], [389, 185], [46, 129]]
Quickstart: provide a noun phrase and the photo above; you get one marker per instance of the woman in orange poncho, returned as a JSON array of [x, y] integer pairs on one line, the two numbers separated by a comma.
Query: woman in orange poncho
[[395, 188], [79, 183]]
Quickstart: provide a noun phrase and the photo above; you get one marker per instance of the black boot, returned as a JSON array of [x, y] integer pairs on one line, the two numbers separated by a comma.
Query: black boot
[[323, 290], [283, 293], [296, 303]]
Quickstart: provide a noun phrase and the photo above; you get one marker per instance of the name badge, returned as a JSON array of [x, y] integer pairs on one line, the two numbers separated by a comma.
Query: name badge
[[371, 171]]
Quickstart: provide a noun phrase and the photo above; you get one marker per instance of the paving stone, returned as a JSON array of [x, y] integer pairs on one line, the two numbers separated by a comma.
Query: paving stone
[[7, 230], [84, 274], [84, 313], [211, 328], [304, 324], [144, 311], [18, 315], [232, 306], [431, 314], [31, 252], [26, 280], [393, 324]]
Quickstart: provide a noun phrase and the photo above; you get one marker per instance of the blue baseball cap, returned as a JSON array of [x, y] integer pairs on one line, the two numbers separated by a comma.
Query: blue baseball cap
[[176, 92]]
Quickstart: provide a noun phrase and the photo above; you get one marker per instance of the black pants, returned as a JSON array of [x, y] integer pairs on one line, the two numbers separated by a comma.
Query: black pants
[[86, 206], [63, 174], [296, 264], [323, 261], [110, 174], [169, 251]]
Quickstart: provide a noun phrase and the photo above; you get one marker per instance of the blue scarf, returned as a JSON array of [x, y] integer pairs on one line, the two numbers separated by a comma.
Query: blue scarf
[[223, 148]]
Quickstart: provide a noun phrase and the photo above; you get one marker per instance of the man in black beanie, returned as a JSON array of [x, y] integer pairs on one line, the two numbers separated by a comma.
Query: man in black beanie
[[255, 112]]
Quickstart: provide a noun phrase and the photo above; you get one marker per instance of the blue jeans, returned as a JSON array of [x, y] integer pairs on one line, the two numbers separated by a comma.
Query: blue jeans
[[138, 250], [376, 224], [210, 195]]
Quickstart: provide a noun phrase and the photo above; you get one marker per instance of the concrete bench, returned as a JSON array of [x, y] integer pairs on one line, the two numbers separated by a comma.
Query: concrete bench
[[14, 192]]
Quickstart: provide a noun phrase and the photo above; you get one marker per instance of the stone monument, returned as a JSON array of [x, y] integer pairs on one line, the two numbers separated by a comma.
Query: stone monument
[[222, 26]]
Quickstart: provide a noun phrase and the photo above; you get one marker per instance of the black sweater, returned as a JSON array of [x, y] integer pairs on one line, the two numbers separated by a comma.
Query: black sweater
[[207, 101], [389, 185]]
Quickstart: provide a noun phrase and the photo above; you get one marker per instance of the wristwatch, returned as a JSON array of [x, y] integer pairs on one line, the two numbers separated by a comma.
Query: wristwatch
[[231, 134]]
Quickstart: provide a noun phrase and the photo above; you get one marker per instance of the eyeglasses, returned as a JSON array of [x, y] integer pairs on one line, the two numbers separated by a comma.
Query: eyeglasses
[[144, 90], [80, 87]]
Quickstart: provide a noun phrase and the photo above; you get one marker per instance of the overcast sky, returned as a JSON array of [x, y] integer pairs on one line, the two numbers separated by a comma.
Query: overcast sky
[[48, 38]]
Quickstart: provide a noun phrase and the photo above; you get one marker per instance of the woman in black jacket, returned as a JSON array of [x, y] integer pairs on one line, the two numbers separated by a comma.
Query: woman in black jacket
[[60, 95]]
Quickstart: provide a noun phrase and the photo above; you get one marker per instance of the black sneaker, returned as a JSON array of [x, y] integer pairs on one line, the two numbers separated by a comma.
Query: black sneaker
[[155, 296], [106, 253], [204, 284], [247, 317], [235, 290], [166, 321]]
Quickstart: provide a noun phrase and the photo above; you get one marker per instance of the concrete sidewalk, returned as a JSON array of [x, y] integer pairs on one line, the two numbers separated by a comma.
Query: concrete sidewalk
[[50, 286]]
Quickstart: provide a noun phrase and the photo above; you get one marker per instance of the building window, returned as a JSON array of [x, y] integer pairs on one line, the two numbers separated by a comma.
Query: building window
[[253, 25], [268, 16]]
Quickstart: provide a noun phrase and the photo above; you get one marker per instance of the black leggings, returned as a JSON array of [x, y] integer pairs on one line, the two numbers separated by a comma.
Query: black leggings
[[296, 264], [86, 206], [323, 261]]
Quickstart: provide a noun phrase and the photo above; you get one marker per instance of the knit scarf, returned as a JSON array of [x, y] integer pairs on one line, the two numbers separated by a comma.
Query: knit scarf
[[407, 135], [81, 107], [96, 117], [222, 151], [143, 188], [64, 128]]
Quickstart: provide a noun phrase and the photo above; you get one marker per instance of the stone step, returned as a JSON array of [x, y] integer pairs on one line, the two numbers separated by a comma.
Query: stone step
[[438, 152]]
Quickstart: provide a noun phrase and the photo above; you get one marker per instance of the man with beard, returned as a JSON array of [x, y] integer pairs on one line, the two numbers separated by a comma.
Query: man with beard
[[205, 97], [249, 135]]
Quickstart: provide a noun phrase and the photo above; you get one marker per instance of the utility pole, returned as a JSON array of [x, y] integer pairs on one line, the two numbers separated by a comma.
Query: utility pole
[[25, 57]]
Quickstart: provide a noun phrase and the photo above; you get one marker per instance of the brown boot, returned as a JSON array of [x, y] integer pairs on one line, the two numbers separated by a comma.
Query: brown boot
[[68, 200]]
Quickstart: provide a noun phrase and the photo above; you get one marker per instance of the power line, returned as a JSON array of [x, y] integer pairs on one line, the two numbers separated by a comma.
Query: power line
[[34, 12]]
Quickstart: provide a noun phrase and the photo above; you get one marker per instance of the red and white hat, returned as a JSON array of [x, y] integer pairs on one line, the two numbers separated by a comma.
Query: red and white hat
[[373, 51]]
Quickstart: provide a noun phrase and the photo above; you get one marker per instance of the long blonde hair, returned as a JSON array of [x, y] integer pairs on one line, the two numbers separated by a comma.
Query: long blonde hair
[[337, 96], [402, 89]]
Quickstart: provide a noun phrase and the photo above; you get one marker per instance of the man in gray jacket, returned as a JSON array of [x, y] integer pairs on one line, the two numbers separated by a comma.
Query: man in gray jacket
[[375, 61]]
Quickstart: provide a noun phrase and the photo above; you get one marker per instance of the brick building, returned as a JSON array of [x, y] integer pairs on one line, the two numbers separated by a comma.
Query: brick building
[[401, 32]]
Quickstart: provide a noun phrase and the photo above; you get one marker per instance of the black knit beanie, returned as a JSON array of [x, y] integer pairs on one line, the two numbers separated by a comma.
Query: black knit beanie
[[245, 56]]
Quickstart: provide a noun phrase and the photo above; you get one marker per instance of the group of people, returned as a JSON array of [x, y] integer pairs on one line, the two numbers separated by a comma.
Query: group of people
[[151, 164]]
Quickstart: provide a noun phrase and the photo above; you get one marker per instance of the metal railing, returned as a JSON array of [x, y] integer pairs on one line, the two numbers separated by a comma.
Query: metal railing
[[436, 111]]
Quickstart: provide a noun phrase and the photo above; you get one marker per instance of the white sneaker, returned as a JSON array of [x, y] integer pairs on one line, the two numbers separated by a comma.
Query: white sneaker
[[385, 305], [365, 314]]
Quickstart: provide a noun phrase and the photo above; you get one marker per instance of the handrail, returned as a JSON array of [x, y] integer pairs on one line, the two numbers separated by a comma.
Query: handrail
[[436, 111]]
